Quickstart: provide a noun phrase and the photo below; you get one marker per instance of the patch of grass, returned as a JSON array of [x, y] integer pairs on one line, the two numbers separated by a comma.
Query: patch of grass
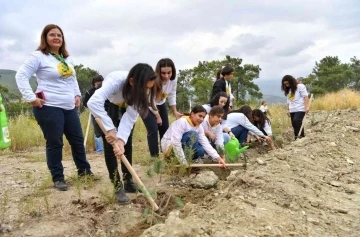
[[35, 156], [107, 195], [4, 201], [344, 99]]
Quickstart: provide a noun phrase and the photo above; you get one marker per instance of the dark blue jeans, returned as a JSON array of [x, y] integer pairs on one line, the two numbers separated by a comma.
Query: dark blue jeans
[[54, 123], [240, 133], [190, 140]]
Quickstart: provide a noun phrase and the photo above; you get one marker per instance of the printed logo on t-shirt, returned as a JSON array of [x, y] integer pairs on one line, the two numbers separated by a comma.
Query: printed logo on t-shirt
[[64, 70], [291, 96]]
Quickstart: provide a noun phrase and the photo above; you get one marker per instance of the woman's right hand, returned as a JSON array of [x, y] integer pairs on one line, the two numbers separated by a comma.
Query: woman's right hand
[[111, 136], [37, 102], [221, 162]]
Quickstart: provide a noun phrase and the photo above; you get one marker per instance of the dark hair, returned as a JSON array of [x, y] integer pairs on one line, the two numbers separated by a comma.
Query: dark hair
[[246, 110], [44, 46], [292, 83], [258, 113], [217, 109], [136, 94], [263, 102], [218, 74], [97, 79], [215, 101], [227, 70], [166, 62], [198, 109]]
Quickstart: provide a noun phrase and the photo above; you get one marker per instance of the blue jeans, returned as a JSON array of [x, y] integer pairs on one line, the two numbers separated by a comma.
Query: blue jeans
[[240, 133], [98, 144], [54, 123], [226, 138], [190, 140]]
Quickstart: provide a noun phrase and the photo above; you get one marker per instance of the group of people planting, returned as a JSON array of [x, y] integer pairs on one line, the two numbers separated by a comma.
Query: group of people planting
[[124, 96]]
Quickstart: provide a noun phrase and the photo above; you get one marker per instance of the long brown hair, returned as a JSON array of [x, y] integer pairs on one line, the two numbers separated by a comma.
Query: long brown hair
[[164, 62], [44, 46], [135, 94]]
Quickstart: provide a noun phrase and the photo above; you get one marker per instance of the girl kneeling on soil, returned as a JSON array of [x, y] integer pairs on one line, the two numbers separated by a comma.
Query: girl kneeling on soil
[[212, 127], [263, 123], [129, 95], [240, 123], [187, 133], [221, 99]]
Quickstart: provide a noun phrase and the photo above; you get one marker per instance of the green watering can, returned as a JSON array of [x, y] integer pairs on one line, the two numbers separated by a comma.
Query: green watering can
[[233, 149]]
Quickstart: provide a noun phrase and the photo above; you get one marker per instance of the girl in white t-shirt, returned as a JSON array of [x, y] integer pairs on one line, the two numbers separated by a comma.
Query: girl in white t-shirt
[[188, 133], [157, 122], [263, 107], [297, 101], [263, 124]]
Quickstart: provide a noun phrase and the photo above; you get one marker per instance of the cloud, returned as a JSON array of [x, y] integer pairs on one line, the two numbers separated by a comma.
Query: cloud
[[279, 36]]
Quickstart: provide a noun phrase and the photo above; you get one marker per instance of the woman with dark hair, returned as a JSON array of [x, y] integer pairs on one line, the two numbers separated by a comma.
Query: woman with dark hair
[[263, 123], [221, 99], [223, 84], [55, 101], [297, 102], [129, 95], [158, 121], [187, 133], [240, 123]]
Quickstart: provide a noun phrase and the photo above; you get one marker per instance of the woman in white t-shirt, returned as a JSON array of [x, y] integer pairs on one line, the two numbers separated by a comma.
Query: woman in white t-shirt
[[263, 107], [157, 122], [297, 102], [263, 124], [55, 102]]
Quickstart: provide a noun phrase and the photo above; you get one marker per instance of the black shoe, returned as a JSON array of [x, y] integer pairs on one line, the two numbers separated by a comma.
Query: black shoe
[[129, 185], [88, 174], [121, 197], [60, 185]]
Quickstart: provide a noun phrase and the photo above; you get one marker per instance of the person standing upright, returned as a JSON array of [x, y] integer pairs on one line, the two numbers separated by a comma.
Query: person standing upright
[[55, 102]]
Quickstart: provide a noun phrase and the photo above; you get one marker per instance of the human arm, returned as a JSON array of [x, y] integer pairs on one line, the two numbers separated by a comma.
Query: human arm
[[23, 75]]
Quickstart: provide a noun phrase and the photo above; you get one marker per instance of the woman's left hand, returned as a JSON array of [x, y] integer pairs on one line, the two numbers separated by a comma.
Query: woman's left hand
[[77, 101], [178, 115]]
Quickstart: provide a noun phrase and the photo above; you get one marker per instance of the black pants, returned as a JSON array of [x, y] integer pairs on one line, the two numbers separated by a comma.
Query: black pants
[[296, 121], [115, 113], [153, 128]]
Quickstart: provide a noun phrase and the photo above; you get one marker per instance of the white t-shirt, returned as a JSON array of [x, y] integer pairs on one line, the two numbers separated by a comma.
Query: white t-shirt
[[111, 89], [297, 102], [169, 91], [216, 130], [236, 119], [59, 91], [172, 139], [264, 108]]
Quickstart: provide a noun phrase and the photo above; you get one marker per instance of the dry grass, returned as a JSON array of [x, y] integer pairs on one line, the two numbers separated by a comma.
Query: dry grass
[[345, 99], [26, 133]]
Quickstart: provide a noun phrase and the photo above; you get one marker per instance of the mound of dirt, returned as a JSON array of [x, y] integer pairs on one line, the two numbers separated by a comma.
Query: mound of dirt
[[308, 188]]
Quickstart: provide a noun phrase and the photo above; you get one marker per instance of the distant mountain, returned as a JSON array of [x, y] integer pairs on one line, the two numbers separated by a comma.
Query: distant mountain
[[271, 90], [7, 78]]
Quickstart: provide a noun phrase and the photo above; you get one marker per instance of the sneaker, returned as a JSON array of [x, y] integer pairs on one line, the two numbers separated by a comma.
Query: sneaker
[[89, 174], [198, 161], [60, 185], [121, 197]]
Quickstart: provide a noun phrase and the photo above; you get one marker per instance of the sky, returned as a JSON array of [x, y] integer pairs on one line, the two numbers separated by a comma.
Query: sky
[[282, 37]]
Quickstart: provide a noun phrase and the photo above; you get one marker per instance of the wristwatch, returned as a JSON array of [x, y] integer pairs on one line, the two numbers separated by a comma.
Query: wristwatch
[[229, 132]]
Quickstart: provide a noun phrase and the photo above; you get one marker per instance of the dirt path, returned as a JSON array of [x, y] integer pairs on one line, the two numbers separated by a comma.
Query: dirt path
[[308, 188]]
